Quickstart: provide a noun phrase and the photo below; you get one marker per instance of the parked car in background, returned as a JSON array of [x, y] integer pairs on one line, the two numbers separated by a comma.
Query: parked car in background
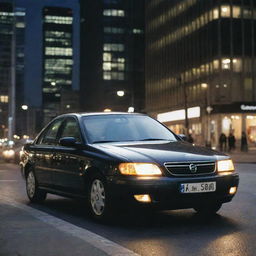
[[122, 158]]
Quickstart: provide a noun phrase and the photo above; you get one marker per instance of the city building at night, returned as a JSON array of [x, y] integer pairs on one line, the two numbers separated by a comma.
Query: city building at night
[[12, 36], [200, 56], [35, 38], [57, 58], [112, 55]]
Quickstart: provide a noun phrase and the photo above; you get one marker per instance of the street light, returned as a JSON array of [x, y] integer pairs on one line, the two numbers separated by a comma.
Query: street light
[[120, 93], [24, 107], [107, 110], [208, 110]]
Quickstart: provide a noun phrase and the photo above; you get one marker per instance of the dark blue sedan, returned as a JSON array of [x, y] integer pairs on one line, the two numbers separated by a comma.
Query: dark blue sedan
[[111, 159]]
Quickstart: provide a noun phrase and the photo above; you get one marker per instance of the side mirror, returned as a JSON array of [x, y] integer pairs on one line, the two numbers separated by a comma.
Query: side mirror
[[183, 137], [68, 142]]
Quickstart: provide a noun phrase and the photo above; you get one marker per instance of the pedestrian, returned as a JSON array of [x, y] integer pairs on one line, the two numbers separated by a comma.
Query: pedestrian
[[231, 142], [244, 145], [190, 139], [223, 142]]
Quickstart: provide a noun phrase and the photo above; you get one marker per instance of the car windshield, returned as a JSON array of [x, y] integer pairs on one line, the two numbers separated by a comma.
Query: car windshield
[[119, 128]]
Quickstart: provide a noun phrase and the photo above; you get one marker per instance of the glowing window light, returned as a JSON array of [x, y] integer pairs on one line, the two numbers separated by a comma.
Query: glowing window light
[[179, 114]]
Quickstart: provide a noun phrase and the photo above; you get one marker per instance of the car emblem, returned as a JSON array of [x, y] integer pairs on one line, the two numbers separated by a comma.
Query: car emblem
[[193, 168]]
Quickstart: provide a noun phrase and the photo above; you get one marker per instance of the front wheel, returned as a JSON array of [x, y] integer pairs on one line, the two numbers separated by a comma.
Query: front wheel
[[208, 209], [98, 199], [35, 194]]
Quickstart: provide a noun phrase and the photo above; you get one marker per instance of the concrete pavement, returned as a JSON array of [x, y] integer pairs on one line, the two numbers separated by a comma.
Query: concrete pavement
[[243, 157]]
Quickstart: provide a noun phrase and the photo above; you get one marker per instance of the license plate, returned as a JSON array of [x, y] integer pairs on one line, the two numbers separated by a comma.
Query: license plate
[[202, 187]]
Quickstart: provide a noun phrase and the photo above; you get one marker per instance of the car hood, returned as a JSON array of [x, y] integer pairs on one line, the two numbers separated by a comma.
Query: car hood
[[160, 152]]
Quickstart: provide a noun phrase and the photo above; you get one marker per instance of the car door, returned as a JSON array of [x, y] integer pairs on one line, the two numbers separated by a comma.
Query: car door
[[44, 149], [68, 160]]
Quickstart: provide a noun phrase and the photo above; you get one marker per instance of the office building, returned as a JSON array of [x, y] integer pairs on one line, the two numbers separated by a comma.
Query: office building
[[12, 36], [112, 55], [57, 58], [200, 56]]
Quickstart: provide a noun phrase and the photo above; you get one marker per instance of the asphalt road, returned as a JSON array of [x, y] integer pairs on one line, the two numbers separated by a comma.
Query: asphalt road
[[231, 232]]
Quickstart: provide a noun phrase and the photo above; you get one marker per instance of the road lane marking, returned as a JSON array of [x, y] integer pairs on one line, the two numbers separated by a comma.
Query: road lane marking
[[101, 243]]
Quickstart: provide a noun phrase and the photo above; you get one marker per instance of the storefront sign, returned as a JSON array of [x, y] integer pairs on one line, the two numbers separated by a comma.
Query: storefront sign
[[239, 107], [248, 107]]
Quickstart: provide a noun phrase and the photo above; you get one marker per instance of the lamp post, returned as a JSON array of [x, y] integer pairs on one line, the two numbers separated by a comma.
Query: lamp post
[[25, 108], [208, 110]]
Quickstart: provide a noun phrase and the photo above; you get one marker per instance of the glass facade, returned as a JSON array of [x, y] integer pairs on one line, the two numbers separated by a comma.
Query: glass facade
[[202, 53], [12, 29], [58, 57], [112, 46]]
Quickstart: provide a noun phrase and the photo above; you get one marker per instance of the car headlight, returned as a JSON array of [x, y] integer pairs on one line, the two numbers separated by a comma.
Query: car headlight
[[143, 169], [9, 153], [225, 166]]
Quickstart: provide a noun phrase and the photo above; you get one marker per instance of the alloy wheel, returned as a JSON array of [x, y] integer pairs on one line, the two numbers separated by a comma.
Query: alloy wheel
[[31, 184], [97, 197]]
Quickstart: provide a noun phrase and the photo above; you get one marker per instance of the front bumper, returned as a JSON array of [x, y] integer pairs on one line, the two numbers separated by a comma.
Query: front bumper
[[165, 191]]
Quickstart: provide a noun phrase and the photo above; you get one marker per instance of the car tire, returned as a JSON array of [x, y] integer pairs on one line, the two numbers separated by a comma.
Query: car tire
[[34, 194], [208, 209], [99, 199]]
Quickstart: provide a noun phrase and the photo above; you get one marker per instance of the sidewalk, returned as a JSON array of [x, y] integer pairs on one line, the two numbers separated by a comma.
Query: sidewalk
[[22, 234], [26, 231], [243, 157]]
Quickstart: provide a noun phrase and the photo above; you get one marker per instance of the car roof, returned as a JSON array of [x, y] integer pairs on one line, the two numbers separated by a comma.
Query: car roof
[[81, 114]]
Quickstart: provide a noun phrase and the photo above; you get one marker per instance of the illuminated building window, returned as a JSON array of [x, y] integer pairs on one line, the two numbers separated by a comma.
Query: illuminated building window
[[107, 66], [121, 60], [113, 75], [113, 47], [237, 65], [20, 25], [216, 64], [59, 41], [57, 34], [58, 19], [107, 56], [58, 51], [4, 98], [137, 31], [113, 66], [236, 12], [114, 12], [20, 13], [225, 11], [225, 63], [114, 30]]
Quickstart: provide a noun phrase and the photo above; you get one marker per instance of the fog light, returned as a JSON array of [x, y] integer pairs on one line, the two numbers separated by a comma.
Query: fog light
[[232, 190], [143, 198]]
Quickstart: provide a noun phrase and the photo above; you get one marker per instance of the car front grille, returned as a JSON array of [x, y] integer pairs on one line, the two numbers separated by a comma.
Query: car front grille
[[190, 168]]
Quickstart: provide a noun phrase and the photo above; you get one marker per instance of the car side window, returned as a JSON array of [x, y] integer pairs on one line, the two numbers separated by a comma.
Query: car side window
[[71, 129], [50, 136]]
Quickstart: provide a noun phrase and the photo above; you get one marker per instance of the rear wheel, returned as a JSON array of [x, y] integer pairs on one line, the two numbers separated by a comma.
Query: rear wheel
[[208, 209], [35, 194], [99, 200]]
